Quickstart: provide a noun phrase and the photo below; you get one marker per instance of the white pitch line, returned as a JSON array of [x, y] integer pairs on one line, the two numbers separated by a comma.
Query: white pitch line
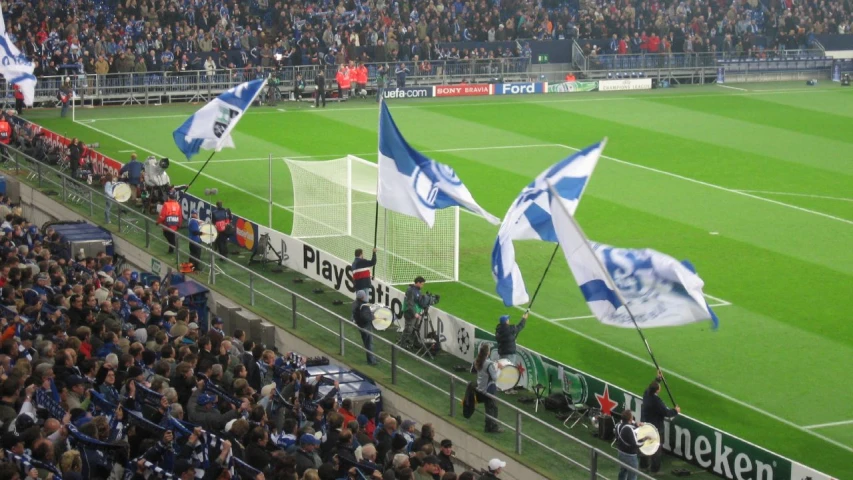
[[564, 319], [444, 150], [126, 151], [805, 195], [493, 103], [565, 327], [725, 189], [720, 301], [733, 88], [831, 424]]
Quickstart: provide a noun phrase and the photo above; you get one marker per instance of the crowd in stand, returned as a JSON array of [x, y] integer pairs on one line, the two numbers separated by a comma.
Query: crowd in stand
[[104, 374], [116, 36]]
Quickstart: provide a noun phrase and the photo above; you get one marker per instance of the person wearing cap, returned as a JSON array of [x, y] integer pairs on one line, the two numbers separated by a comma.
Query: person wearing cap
[[77, 392], [505, 336], [493, 469], [171, 219], [306, 456], [216, 333], [194, 229], [428, 469], [201, 410], [445, 455], [362, 315]]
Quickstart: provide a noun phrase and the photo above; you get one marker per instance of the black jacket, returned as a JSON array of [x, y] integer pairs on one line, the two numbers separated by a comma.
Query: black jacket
[[258, 457], [305, 460], [320, 82], [363, 317], [505, 335], [654, 410], [361, 272]]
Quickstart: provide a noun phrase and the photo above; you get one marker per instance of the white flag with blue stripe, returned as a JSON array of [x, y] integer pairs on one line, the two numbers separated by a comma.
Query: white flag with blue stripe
[[16, 68], [659, 290], [529, 217], [412, 184], [210, 127]]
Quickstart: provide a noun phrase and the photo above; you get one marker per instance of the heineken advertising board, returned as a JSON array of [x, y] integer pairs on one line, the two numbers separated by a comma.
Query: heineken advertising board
[[700, 444]]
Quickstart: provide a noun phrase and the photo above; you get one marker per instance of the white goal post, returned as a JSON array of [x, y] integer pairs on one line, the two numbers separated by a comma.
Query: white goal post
[[334, 209]]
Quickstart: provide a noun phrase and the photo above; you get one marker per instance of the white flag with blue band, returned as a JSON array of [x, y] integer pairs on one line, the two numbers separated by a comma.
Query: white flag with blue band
[[210, 127], [659, 290], [16, 68], [412, 184], [529, 217]]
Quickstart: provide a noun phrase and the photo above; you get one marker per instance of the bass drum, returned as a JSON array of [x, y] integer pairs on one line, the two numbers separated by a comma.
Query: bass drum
[[650, 437], [208, 233], [508, 375], [383, 317], [121, 192]]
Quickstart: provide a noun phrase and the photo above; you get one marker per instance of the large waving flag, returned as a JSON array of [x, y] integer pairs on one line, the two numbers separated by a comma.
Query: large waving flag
[[412, 184], [15, 67], [659, 290], [210, 127], [529, 217]]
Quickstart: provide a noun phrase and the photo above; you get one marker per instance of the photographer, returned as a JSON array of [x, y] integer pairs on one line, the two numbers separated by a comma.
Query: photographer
[[362, 315], [75, 157], [412, 310], [298, 87]]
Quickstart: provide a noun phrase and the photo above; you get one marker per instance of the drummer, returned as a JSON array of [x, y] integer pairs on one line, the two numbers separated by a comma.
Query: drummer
[[194, 227], [628, 445], [362, 315], [109, 186]]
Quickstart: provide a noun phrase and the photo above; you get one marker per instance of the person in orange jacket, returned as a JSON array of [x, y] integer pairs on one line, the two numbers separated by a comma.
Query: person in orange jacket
[[171, 218], [361, 79], [342, 77]]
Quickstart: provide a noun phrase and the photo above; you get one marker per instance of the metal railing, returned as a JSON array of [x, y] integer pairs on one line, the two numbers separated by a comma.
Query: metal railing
[[645, 61], [546, 447], [191, 85]]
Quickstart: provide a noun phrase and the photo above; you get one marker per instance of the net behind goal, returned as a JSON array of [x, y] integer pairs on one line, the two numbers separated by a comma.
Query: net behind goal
[[334, 209]]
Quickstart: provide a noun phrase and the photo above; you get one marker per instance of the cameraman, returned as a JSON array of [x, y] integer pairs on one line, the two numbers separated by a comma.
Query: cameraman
[[412, 309], [75, 156], [362, 315]]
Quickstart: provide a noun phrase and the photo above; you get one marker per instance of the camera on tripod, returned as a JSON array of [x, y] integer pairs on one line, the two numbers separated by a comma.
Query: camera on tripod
[[427, 300]]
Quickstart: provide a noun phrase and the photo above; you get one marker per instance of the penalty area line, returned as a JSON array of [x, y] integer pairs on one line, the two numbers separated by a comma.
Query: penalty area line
[[831, 424], [732, 88]]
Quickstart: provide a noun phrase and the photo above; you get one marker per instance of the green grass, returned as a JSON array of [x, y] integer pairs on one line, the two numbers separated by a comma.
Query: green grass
[[783, 259]]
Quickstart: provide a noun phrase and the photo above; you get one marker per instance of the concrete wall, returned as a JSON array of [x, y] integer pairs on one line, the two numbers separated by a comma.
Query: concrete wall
[[40, 208]]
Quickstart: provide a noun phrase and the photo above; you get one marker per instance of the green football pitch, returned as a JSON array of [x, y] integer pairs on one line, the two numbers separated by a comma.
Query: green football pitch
[[753, 184]]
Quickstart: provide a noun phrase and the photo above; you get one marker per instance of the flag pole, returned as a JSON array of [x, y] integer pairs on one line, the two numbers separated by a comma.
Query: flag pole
[[376, 212], [199, 170], [270, 193], [619, 295], [542, 280]]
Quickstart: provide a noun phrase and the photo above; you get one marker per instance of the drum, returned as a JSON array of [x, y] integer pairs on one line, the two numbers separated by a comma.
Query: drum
[[121, 192], [208, 233], [651, 439], [383, 317], [508, 375]]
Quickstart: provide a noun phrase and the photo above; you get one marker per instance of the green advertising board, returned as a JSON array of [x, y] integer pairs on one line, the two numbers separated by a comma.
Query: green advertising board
[[700, 444], [568, 87]]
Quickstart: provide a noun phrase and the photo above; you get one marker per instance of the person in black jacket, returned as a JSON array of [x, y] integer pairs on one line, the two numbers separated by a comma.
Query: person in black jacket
[[361, 271], [75, 154], [654, 412], [305, 456], [320, 90], [362, 315], [256, 451], [505, 335], [627, 445]]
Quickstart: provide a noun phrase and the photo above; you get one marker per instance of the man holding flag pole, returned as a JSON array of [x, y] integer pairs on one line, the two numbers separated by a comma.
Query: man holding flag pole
[[210, 127]]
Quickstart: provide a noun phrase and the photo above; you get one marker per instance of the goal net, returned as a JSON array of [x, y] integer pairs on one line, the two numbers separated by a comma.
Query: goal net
[[334, 209]]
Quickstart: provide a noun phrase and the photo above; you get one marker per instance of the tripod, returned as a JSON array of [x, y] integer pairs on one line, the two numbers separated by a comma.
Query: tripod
[[265, 249]]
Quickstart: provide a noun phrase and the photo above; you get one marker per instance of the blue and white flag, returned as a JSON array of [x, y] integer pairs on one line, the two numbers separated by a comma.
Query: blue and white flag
[[15, 67], [210, 127], [529, 217], [412, 184], [659, 290]]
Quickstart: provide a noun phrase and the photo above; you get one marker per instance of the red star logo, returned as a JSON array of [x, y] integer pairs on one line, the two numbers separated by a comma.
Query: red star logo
[[521, 369], [604, 401]]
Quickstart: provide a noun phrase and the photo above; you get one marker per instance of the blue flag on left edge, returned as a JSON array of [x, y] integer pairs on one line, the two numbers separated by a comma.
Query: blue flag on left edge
[[659, 290], [210, 127], [16, 68], [412, 184]]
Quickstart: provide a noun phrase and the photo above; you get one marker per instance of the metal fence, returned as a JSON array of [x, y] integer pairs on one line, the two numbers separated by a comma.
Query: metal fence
[[552, 451], [201, 85]]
